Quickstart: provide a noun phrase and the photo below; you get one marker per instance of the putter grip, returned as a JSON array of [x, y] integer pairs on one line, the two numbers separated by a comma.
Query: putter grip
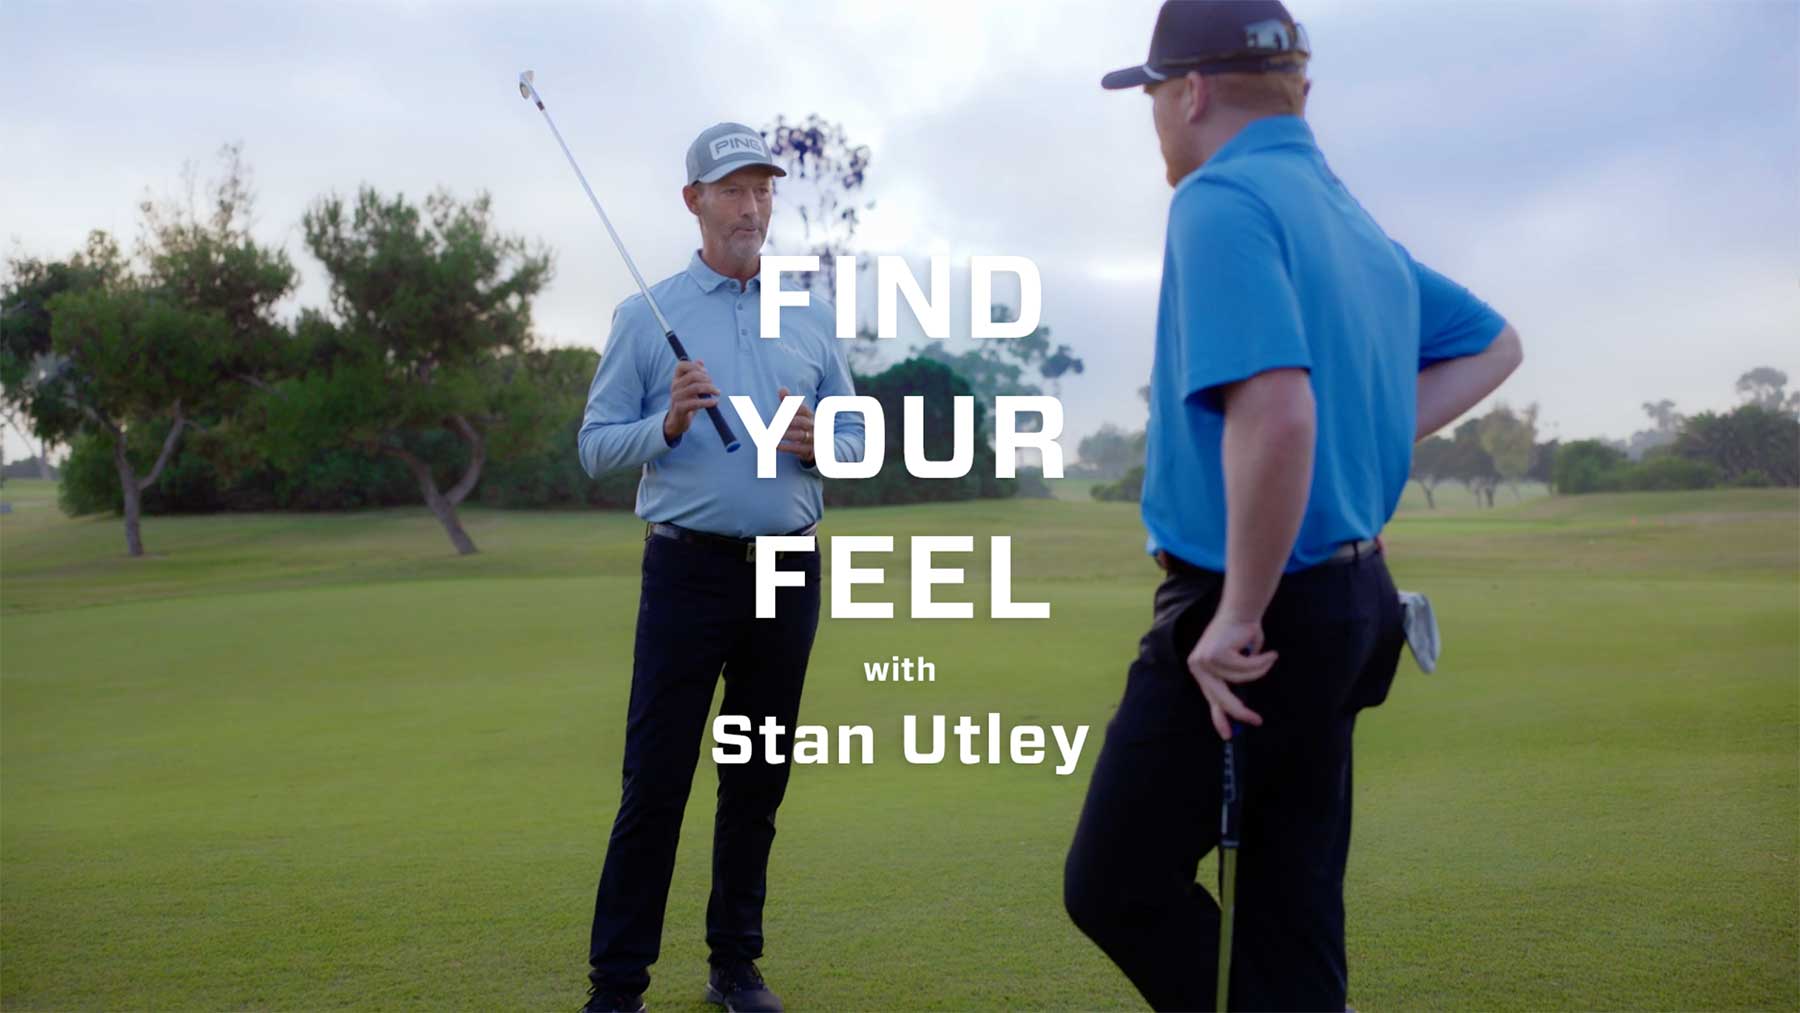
[[1231, 807], [712, 411]]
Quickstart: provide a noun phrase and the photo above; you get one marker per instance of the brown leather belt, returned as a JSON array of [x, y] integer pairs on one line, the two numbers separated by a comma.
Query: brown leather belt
[[1349, 552]]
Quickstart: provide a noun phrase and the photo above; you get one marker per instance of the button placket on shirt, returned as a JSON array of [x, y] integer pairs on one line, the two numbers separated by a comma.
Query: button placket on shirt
[[740, 307]]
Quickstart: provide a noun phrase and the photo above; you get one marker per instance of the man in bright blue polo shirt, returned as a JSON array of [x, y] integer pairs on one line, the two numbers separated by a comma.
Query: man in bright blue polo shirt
[[1299, 354], [697, 613]]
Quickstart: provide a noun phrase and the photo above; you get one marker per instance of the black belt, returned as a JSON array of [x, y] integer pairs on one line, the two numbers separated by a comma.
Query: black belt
[[1349, 552], [742, 548]]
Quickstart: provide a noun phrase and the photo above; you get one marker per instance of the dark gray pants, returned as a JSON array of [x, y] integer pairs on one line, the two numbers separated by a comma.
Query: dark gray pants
[[1152, 809], [696, 617]]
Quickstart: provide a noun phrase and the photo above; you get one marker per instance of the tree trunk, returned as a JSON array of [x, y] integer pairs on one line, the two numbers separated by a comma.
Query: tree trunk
[[131, 485], [442, 508], [477, 457], [1430, 503], [134, 542], [443, 505]]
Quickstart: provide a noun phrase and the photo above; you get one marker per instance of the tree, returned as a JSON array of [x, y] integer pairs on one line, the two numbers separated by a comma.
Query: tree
[[1666, 424], [27, 361], [1543, 464], [939, 387], [823, 193], [1752, 444], [1433, 461], [544, 472], [1471, 464], [15, 374], [428, 306], [1508, 438], [1663, 413], [1766, 387], [95, 349], [1129, 487], [126, 355], [1110, 451], [198, 250], [1010, 365], [1584, 466]]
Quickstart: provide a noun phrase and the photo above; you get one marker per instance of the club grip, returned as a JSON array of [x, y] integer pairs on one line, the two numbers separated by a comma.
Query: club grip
[[1231, 801], [712, 411]]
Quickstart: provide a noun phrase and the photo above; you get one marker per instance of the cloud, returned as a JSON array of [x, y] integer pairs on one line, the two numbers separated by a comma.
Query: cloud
[[1617, 178]]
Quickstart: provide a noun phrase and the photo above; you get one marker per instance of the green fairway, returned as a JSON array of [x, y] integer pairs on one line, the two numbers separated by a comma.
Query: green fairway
[[308, 761]]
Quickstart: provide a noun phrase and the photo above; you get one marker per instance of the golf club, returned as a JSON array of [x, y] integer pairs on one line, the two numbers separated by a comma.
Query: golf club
[[529, 91], [1230, 809]]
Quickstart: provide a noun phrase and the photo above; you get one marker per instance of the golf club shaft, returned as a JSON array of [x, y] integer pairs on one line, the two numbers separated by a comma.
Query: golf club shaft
[[1227, 902], [712, 411]]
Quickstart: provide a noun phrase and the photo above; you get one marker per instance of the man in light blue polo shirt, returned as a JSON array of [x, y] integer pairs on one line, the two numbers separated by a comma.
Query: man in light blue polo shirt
[[1299, 354], [696, 617]]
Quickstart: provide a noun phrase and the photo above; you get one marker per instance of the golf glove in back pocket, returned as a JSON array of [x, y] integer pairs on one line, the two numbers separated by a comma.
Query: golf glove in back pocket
[[1421, 629]]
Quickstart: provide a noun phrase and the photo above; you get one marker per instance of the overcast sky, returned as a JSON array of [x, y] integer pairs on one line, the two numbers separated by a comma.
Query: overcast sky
[[1621, 180]]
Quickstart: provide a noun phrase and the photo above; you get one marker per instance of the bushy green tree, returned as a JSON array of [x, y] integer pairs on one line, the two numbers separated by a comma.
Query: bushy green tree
[[1471, 464], [118, 353], [1543, 463], [546, 471], [938, 385], [1751, 438], [996, 366], [431, 307], [1508, 437], [1584, 466], [1109, 452], [126, 357], [1662, 473], [1766, 387], [1129, 487], [31, 387], [1432, 462]]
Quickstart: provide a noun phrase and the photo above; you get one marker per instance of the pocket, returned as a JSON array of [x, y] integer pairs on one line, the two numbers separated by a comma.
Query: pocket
[[1389, 633], [1377, 677], [1184, 605], [673, 566]]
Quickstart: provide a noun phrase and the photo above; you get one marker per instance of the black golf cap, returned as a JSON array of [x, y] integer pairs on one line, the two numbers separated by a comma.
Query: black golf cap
[[1217, 35]]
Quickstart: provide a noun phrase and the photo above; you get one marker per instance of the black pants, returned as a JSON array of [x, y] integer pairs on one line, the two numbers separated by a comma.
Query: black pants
[[696, 617], [1152, 809]]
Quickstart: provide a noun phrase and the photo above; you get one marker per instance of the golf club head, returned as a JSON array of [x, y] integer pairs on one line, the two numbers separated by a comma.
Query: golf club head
[[525, 84]]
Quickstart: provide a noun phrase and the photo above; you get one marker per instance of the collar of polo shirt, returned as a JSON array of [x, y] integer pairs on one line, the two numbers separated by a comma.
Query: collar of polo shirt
[[709, 279], [1263, 134]]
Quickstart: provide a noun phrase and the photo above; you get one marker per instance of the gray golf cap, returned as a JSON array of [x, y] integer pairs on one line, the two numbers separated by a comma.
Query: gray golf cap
[[723, 149]]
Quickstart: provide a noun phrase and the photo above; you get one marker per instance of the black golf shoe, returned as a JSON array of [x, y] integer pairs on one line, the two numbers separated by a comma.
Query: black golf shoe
[[600, 1001], [739, 987]]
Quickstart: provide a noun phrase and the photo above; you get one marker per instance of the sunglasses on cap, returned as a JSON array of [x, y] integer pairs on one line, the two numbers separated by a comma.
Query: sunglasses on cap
[[1264, 42]]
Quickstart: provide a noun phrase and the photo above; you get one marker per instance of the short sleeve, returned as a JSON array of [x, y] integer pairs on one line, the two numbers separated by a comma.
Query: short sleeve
[[1236, 309], [1452, 322]]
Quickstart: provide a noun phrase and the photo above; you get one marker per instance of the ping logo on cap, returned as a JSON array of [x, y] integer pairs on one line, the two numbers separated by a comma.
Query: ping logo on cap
[[723, 146]]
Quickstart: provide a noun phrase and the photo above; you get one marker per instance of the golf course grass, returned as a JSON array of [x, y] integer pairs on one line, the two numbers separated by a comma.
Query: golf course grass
[[317, 761]]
